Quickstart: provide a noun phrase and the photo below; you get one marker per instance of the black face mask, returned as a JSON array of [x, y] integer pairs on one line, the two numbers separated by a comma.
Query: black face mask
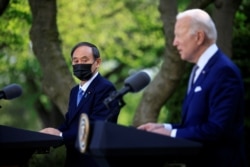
[[82, 71]]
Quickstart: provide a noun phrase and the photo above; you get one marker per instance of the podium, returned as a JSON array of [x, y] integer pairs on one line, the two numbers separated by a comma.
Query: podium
[[18, 145], [113, 145]]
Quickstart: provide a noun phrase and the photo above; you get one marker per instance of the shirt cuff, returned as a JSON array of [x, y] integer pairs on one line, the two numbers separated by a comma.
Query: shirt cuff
[[167, 126], [173, 133], [61, 134]]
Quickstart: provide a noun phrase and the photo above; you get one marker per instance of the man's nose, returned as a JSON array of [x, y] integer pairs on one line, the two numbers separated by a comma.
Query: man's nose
[[174, 42]]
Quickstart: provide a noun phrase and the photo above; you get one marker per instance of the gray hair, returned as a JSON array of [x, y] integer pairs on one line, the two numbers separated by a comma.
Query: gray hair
[[200, 20]]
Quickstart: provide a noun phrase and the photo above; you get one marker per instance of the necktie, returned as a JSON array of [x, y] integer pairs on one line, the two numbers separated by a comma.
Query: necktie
[[191, 78], [79, 96]]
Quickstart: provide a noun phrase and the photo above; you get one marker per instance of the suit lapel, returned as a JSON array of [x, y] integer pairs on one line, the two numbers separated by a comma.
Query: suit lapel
[[85, 101], [84, 98], [199, 83]]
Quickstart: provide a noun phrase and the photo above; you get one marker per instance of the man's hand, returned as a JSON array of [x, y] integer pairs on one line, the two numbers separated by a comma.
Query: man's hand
[[51, 131], [155, 128]]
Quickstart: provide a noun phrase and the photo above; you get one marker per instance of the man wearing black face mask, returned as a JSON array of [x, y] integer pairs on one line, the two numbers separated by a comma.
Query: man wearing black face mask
[[94, 88]]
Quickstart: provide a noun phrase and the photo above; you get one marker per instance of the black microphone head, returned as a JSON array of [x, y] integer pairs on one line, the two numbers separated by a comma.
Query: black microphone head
[[137, 81], [12, 91]]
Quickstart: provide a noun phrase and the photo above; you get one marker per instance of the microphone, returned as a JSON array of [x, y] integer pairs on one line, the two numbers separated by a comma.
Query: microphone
[[134, 83], [11, 91]]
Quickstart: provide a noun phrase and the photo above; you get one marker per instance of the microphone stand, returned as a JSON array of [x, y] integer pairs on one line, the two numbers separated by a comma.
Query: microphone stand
[[115, 111]]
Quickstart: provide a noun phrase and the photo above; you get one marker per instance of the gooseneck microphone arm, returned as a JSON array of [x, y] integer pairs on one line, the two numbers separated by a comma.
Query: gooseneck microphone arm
[[116, 95], [133, 83]]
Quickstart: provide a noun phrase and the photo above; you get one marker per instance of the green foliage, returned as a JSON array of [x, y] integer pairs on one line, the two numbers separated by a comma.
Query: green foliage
[[18, 65], [130, 37], [241, 52], [54, 157], [13, 25], [126, 36], [14, 44], [173, 105], [127, 112]]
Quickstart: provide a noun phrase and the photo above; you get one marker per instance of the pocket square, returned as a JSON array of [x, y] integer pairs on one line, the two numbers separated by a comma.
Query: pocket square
[[197, 89]]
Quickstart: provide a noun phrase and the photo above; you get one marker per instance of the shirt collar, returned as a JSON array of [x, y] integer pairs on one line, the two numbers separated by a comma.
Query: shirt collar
[[86, 84], [207, 55], [209, 52]]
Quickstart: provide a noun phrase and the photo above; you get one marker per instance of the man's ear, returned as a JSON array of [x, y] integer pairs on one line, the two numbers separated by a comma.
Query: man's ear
[[200, 36], [98, 62]]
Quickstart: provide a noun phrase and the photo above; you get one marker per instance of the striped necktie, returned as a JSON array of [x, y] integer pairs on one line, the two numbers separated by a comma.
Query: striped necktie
[[191, 78], [79, 96]]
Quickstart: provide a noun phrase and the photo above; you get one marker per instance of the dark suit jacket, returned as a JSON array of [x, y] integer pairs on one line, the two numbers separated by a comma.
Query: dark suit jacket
[[213, 113], [91, 104]]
